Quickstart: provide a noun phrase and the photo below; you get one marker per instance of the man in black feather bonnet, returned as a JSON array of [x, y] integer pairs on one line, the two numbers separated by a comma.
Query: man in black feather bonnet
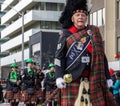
[[81, 66]]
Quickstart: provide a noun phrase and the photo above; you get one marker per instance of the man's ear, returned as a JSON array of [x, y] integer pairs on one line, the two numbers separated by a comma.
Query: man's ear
[[72, 19]]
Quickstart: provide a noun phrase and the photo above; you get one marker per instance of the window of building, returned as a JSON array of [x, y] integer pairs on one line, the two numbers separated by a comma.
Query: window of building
[[95, 18], [49, 25], [51, 6], [60, 6], [35, 48], [118, 10], [99, 19], [91, 18], [42, 5], [103, 16]]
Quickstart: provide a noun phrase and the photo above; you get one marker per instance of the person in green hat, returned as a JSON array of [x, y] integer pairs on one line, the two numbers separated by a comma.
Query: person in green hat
[[49, 84], [13, 85], [28, 84]]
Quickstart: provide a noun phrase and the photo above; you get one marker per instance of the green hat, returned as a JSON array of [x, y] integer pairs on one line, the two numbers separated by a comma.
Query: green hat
[[51, 65], [13, 65], [29, 60]]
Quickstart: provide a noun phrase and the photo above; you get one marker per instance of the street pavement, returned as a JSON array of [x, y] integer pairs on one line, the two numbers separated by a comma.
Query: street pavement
[[7, 104]]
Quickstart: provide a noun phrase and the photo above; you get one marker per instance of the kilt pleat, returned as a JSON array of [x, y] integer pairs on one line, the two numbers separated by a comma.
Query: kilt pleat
[[17, 95], [9, 94], [39, 93], [56, 96], [25, 97], [69, 94]]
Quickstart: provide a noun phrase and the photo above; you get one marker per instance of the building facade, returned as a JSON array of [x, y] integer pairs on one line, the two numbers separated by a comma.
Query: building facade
[[39, 15], [106, 15]]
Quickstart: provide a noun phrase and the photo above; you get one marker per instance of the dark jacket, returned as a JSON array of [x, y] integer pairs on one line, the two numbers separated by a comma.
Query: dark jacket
[[27, 81], [60, 55], [49, 83], [39, 79]]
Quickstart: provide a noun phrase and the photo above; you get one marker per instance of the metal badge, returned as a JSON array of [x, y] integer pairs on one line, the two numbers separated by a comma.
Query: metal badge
[[89, 32], [59, 46], [85, 59]]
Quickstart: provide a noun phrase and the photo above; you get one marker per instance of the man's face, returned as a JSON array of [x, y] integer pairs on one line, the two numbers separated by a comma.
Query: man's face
[[30, 65], [14, 68], [79, 19], [52, 69]]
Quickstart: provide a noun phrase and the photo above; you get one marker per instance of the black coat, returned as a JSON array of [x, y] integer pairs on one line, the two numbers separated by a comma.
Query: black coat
[[27, 81], [49, 83], [39, 79], [60, 56]]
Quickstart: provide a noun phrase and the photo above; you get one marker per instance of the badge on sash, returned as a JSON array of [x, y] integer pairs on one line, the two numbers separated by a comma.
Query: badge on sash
[[85, 59]]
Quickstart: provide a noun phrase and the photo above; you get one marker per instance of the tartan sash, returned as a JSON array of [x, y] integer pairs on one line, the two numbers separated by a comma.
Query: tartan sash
[[77, 57], [99, 92]]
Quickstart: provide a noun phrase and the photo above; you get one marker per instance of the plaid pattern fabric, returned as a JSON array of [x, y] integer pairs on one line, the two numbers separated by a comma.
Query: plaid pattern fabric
[[9, 94], [39, 93], [17, 95], [69, 94], [100, 95], [56, 96], [74, 37], [25, 97]]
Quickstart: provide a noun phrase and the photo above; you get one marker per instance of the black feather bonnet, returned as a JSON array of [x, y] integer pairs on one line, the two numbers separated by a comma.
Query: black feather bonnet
[[69, 9]]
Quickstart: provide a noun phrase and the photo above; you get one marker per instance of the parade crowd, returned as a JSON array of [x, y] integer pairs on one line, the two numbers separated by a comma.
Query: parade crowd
[[31, 86]]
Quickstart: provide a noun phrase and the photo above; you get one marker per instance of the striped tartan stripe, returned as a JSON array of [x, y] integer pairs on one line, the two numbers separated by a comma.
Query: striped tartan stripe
[[100, 95], [75, 36], [69, 94]]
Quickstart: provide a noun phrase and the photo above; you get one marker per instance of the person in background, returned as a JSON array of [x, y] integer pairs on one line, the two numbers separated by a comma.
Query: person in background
[[112, 74], [13, 86], [39, 78], [1, 91], [81, 67], [28, 95], [49, 84], [116, 88]]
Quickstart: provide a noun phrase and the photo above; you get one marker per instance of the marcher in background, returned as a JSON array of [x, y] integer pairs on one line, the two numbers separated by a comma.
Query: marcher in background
[[50, 86], [116, 88], [13, 86], [112, 74], [1, 91], [39, 78], [80, 59], [28, 84]]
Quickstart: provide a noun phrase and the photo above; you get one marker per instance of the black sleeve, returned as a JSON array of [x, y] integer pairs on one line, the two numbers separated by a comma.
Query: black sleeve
[[60, 57], [42, 76], [107, 73]]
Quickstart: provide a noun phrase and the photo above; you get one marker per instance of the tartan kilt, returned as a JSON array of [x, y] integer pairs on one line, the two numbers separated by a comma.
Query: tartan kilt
[[69, 94], [17, 95], [56, 97], [39, 93], [25, 97], [33, 98], [9, 94]]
